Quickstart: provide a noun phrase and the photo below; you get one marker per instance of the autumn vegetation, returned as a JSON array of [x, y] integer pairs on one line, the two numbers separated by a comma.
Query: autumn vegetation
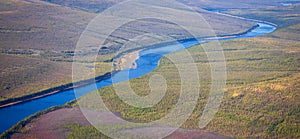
[[261, 99]]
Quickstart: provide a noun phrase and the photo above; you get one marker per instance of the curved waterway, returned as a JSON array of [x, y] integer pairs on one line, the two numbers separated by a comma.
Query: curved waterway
[[146, 63]]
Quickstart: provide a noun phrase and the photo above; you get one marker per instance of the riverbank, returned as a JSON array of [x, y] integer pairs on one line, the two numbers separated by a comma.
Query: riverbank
[[126, 61], [239, 34], [123, 61], [29, 119], [51, 91]]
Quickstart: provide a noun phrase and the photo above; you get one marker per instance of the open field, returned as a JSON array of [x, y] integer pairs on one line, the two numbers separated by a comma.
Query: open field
[[21, 75], [31, 38], [261, 99]]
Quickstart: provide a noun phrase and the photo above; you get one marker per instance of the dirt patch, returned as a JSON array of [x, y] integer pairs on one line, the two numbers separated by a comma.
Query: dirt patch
[[127, 61], [50, 125], [8, 12]]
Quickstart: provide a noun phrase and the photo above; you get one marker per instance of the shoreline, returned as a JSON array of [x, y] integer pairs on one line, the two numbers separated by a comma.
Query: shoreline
[[22, 123], [240, 34], [55, 90], [127, 61], [69, 86]]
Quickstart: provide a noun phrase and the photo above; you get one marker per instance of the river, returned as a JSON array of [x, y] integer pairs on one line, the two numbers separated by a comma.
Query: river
[[146, 63]]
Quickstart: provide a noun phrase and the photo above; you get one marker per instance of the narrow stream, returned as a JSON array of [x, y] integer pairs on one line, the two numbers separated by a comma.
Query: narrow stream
[[146, 63]]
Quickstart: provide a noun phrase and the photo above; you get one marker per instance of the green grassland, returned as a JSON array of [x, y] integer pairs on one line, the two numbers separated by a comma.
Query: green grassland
[[80, 132]]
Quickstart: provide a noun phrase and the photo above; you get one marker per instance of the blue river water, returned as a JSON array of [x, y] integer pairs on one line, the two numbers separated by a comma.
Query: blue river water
[[146, 63]]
